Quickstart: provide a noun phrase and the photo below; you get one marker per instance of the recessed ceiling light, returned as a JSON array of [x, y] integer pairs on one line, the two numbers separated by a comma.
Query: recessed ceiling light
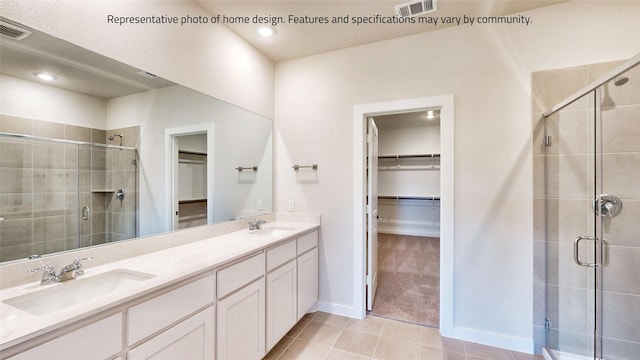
[[45, 76], [430, 114], [265, 30]]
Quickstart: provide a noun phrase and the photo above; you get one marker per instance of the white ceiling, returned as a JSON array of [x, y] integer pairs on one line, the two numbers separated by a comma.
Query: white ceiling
[[298, 40], [75, 68]]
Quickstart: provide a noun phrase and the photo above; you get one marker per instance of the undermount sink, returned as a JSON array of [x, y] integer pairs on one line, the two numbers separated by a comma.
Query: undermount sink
[[272, 231], [62, 295]]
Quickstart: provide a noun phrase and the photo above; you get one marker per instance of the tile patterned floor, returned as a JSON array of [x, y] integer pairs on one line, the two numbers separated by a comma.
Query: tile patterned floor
[[325, 336], [408, 279]]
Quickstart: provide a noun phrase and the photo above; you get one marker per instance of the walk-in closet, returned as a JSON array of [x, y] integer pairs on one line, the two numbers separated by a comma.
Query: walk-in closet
[[408, 227]]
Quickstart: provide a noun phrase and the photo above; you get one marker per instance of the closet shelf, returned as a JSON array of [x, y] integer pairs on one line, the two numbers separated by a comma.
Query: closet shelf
[[405, 197], [409, 162], [413, 156], [191, 201]]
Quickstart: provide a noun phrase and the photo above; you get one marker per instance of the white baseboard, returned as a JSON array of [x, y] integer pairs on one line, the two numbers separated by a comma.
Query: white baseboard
[[338, 309], [409, 232], [514, 343]]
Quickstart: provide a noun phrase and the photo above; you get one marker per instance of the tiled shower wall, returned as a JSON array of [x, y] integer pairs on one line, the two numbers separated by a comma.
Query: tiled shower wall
[[569, 214], [44, 185]]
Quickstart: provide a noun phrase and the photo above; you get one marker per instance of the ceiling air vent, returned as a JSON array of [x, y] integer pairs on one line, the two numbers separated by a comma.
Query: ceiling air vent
[[13, 31], [415, 8]]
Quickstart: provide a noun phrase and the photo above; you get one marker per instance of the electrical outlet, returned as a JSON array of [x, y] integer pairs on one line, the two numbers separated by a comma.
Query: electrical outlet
[[260, 205], [292, 206]]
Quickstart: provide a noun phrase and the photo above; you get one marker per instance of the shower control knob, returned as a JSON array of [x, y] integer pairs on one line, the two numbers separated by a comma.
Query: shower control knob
[[607, 205]]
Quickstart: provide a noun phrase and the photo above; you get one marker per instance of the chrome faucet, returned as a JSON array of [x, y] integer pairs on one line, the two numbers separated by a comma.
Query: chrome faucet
[[68, 272], [256, 224]]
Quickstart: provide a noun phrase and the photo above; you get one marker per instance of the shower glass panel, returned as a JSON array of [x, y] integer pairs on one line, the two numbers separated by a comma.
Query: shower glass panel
[[592, 205], [58, 195]]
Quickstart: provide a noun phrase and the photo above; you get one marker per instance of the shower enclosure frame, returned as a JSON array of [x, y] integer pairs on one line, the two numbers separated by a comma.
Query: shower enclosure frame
[[590, 250], [114, 163]]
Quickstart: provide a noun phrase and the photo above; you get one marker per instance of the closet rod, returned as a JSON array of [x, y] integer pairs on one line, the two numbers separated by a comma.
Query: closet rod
[[409, 156], [429, 198]]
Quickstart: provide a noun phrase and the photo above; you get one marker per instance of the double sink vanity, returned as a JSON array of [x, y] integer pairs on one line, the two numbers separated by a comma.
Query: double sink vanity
[[232, 295]]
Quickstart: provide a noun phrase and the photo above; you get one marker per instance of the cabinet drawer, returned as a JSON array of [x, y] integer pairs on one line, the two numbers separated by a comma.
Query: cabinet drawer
[[307, 242], [100, 340], [280, 254], [236, 276], [155, 314]]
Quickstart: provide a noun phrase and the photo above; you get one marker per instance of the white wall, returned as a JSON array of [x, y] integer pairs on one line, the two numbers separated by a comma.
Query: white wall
[[208, 58], [488, 70], [241, 138], [32, 100]]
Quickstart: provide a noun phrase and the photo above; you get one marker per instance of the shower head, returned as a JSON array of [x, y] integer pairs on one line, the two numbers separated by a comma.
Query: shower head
[[620, 80], [114, 136]]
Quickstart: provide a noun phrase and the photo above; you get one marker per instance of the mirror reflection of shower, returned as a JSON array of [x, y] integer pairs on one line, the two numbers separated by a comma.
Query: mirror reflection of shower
[[112, 137]]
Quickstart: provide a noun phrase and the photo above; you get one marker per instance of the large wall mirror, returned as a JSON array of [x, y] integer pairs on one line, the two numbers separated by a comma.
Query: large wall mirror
[[94, 151]]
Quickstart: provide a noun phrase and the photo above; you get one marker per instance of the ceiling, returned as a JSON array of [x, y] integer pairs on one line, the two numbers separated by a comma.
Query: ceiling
[[75, 68], [298, 40]]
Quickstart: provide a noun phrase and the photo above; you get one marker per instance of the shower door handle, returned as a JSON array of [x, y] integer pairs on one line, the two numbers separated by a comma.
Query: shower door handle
[[85, 213], [576, 251]]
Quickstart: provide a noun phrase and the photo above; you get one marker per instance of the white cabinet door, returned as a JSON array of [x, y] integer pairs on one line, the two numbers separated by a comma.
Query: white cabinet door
[[307, 281], [191, 339], [241, 323], [100, 340], [282, 312]]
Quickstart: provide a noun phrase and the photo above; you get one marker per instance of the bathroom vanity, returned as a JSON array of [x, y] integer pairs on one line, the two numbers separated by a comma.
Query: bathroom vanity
[[230, 296]]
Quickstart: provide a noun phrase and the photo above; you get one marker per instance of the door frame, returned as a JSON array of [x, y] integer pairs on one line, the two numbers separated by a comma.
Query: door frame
[[372, 212], [447, 188], [171, 169]]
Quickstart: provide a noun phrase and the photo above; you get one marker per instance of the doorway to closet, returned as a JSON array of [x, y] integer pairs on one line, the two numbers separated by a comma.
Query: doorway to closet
[[406, 242]]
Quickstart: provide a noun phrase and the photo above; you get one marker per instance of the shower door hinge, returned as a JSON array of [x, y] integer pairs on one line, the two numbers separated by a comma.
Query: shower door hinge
[[367, 280], [547, 324], [547, 140]]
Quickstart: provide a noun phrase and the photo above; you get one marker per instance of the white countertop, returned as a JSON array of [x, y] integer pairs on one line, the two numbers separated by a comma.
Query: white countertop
[[169, 266]]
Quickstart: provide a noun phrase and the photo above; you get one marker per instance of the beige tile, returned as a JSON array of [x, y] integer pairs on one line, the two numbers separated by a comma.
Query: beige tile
[[428, 353], [370, 324], [568, 176], [77, 133], [320, 333], [358, 342], [279, 348], [486, 352], [390, 348], [336, 354], [431, 337], [552, 86], [331, 319], [523, 356], [619, 172], [621, 129], [16, 125], [304, 350], [310, 316], [48, 129], [98, 136], [568, 131], [453, 345], [400, 330]]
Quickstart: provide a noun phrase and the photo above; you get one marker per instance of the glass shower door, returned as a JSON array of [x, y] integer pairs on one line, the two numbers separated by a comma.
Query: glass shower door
[[617, 172], [571, 241], [592, 207]]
